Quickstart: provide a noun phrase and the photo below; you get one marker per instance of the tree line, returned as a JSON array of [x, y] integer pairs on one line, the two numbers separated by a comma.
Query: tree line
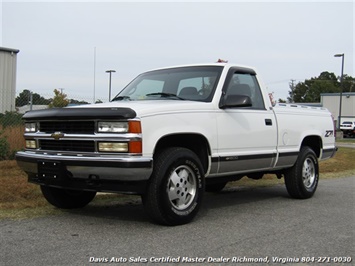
[[309, 91], [59, 99]]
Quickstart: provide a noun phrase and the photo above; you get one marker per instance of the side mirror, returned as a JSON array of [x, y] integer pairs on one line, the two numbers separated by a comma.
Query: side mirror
[[235, 101]]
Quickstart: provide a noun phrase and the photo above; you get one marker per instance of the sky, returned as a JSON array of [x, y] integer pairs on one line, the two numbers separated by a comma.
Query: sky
[[70, 45]]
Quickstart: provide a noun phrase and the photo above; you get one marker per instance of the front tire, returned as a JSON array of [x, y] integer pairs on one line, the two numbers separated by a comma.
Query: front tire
[[67, 199], [301, 180], [176, 187]]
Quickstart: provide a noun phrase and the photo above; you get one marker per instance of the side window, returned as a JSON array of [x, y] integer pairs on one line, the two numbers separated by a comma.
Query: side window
[[246, 84]]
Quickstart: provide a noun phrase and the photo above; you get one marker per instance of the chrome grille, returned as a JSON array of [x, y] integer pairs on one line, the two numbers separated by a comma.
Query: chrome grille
[[67, 145], [69, 127]]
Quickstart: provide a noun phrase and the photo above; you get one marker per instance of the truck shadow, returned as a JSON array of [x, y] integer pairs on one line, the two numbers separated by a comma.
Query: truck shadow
[[234, 196], [114, 207], [130, 208]]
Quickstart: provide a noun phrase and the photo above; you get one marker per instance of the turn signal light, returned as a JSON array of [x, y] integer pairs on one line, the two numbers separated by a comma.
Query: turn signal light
[[134, 127], [135, 147]]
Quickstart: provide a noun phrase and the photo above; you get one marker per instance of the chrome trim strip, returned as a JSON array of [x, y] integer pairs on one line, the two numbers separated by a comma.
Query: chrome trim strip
[[70, 158], [95, 137]]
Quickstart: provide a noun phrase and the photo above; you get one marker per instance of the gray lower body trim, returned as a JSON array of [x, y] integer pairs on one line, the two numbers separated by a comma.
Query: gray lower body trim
[[251, 163], [328, 153], [286, 159]]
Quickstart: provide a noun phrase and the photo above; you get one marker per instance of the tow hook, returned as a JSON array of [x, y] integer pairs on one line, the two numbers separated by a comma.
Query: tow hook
[[93, 181]]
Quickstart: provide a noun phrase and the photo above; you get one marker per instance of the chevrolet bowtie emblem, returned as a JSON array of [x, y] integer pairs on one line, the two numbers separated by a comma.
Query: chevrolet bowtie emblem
[[57, 135]]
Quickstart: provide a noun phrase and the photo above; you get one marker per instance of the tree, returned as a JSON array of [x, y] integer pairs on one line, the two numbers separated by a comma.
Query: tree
[[24, 98], [310, 89], [10, 119], [348, 83], [59, 99], [72, 101]]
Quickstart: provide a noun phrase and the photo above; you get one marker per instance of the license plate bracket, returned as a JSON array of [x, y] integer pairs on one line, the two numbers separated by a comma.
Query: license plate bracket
[[50, 169]]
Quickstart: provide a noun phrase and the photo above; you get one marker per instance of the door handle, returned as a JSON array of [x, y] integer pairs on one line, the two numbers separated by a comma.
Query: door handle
[[268, 122]]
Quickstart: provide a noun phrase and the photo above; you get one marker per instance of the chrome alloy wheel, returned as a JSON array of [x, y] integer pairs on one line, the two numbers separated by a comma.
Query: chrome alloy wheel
[[181, 187], [308, 173]]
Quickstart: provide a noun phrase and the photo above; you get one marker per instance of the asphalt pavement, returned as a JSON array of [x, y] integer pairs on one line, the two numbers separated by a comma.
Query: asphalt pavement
[[249, 226], [346, 145]]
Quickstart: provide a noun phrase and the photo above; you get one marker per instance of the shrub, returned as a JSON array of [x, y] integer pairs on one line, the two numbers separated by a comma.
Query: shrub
[[10, 119], [4, 147]]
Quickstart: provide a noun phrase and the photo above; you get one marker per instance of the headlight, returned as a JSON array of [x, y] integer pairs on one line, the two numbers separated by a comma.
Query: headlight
[[30, 127], [112, 127], [113, 147]]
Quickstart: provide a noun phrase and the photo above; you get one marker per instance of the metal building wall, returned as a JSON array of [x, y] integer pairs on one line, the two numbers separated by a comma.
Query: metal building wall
[[331, 101], [8, 61], [348, 104]]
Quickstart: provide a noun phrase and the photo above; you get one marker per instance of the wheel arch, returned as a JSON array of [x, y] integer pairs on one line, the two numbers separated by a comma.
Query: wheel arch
[[314, 142], [193, 141]]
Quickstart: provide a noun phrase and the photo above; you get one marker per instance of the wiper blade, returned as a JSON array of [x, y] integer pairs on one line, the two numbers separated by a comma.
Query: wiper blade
[[120, 98], [165, 95]]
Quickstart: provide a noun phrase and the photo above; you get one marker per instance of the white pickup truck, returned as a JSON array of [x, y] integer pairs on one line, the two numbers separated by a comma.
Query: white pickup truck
[[172, 134], [348, 129]]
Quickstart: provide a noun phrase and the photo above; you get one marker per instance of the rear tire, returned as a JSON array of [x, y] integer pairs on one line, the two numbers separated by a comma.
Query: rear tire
[[67, 199], [301, 180], [176, 187]]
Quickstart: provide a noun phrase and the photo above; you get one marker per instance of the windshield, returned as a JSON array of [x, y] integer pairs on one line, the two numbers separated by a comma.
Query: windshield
[[184, 83]]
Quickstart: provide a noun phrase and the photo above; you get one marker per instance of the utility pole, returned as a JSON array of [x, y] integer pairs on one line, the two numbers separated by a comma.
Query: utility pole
[[292, 86], [31, 100], [109, 85], [94, 99], [341, 86]]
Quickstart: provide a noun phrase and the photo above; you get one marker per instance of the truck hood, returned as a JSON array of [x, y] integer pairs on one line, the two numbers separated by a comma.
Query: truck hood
[[152, 107], [120, 110]]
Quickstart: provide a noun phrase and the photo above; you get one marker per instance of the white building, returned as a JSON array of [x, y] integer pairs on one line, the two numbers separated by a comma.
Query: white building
[[28, 107], [331, 101], [8, 60]]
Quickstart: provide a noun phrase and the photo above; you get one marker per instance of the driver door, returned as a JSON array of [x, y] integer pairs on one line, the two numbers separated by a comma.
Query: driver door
[[247, 136]]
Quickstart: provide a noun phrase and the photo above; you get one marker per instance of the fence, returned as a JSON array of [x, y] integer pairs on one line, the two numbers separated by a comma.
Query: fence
[[12, 126], [11, 134]]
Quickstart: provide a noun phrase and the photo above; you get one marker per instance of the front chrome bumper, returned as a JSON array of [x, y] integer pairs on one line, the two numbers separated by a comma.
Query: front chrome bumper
[[112, 168]]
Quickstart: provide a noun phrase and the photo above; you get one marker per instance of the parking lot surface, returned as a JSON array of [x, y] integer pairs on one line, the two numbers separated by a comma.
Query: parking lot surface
[[238, 225]]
